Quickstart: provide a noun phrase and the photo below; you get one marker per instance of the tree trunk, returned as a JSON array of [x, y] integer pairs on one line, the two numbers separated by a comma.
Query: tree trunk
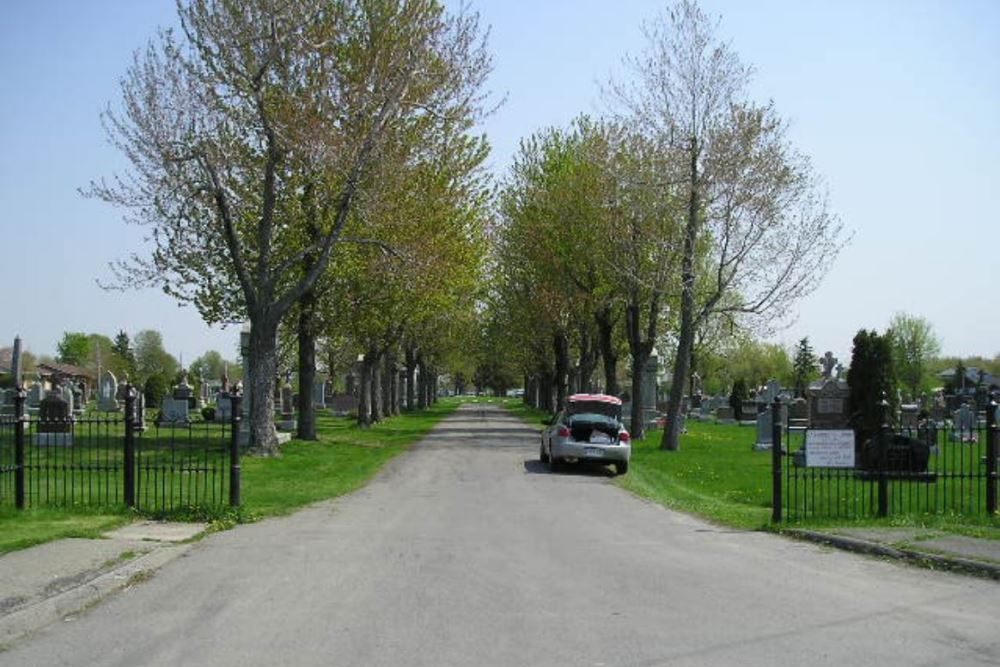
[[640, 350], [588, 359], [421, 382], [263, 369], [411, 376], [378, 409], [672, 433], [365, 393], [307, 367], [605, 331], [545, 391], [560, 347]]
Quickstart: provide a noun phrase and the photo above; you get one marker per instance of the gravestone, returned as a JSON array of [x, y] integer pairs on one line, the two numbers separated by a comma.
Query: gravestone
[[765, 426], [108, 399], [16, 363], [828, 404], [724, 414], [798, 413], [964, 420], [174, 412], [770, 392], [649, 374], [79, 397], [67, 395], [223, 407], [909, 416], [319, 393], [748, 412], [342, 405], [185, 392], [35, 396], [55, 422], [7, 404], [288, 421]]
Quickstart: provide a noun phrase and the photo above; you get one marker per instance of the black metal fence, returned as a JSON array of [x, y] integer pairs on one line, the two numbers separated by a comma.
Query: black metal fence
[[932, 469], [118, 460]]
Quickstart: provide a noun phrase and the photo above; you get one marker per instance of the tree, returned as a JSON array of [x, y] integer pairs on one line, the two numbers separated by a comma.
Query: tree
[[151, 359], [74, 348], [124, 355], [210, 365], [871, 381], [913, 346], [804, 366], [751, 206], [256, 107]]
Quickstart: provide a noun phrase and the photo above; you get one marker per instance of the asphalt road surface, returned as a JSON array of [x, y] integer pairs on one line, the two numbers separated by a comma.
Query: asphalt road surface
[[466, 551]]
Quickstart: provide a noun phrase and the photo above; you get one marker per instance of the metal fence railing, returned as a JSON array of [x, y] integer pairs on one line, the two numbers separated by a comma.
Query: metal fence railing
[[931, 469], [118, 459]]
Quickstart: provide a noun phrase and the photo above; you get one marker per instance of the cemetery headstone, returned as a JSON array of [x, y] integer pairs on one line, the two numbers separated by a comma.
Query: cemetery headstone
[[798, 413], [108, 400], [765, 426], [185, 392], [35, 396], [828, 404], [909, 416], [288, 421], [649, 388], [79, 397], [55, 422], [223, 407], [174, 412], [724, 414], [964, 429]]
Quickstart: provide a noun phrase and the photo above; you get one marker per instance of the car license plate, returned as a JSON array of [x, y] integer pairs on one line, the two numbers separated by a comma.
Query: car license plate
[[594, 451]]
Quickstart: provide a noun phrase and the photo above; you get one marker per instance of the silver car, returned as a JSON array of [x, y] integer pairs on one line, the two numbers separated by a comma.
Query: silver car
[[588, 429]]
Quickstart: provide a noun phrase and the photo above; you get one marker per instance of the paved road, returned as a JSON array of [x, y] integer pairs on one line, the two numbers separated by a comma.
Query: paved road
[[465, 551]]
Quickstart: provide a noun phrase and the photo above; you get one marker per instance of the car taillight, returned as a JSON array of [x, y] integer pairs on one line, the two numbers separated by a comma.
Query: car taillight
[[563, 432], [624, 437]]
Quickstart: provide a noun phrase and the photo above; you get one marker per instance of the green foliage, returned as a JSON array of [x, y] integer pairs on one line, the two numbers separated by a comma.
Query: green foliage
[[871, 380], [737, 396], [913, 346], [151, 358], [804, 367], [155, 389], [125, 356], [74, 348]]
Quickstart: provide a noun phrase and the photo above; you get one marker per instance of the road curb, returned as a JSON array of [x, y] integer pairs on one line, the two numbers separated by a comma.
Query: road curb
[[37, 615], [923, 558]]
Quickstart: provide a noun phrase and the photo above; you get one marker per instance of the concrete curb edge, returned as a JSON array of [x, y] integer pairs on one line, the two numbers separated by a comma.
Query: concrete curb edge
[[952, 563], [33, 617]]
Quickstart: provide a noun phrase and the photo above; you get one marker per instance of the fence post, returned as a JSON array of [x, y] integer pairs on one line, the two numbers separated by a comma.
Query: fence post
[[130, 426], [776, 451], [21, 418], [234, 451], [991, 457], [883, 458]]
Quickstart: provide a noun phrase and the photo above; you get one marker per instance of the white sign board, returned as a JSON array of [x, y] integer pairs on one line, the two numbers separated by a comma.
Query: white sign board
[[830, 448]]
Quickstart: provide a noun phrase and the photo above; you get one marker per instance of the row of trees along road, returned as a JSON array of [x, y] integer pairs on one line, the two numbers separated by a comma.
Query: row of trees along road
[[263, 138], [688, 212]]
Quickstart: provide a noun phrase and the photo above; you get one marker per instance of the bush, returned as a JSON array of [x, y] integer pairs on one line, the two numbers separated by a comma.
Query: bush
[[208, 413], [154, 390]]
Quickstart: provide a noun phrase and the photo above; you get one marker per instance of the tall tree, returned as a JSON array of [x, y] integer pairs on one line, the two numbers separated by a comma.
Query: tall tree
[[751, 203], [74, 348], [913, 346], [804, 366], [871, 380], [225, 126]]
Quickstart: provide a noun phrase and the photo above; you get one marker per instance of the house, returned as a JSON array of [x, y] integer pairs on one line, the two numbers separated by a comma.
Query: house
[[974, 377]]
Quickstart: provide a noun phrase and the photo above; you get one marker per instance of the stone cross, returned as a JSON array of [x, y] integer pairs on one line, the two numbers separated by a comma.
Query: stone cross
[[828, 362]]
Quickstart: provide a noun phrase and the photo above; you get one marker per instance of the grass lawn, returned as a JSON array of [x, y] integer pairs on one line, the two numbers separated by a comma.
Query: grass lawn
[[717, 476], [343, 459]]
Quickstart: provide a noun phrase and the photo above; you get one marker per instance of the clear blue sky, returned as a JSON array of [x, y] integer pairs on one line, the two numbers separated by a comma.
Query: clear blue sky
[[897, 102]]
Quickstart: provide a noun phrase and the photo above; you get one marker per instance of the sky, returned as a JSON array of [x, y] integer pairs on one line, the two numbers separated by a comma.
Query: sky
[[897, 103]]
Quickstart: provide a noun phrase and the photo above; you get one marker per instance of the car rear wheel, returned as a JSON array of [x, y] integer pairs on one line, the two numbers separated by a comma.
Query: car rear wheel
[[554, 464], [542, 456], [621, 467]]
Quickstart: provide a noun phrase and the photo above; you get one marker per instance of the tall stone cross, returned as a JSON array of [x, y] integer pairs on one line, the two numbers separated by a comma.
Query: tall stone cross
[[828, 362]]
